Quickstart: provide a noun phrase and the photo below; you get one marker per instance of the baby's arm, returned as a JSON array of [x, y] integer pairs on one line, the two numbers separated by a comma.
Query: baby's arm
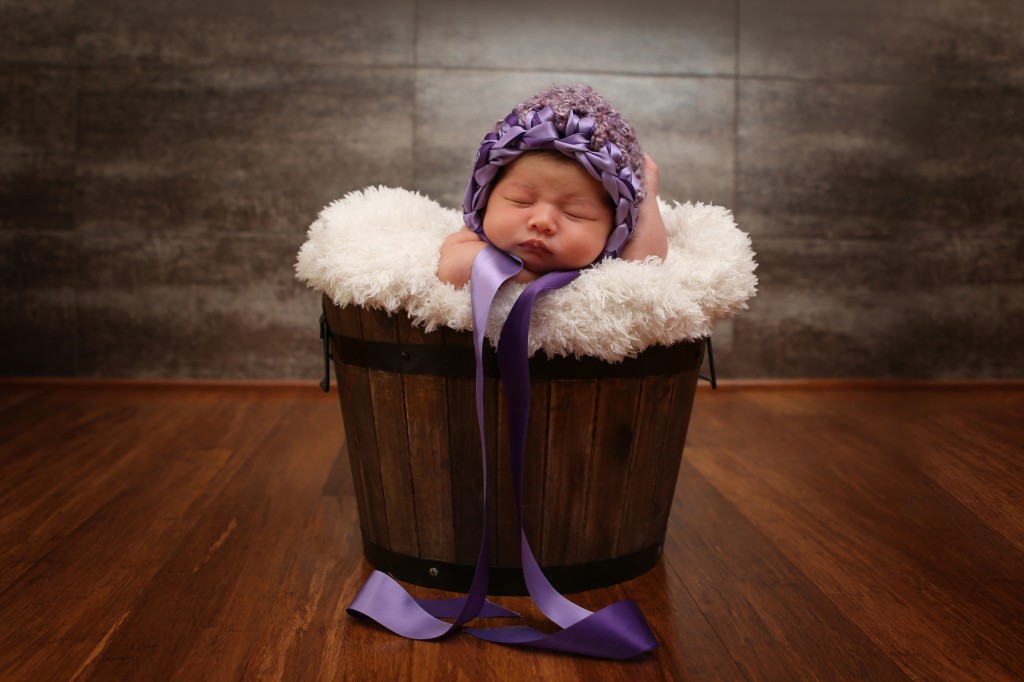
[[649, 238], [457, 254]]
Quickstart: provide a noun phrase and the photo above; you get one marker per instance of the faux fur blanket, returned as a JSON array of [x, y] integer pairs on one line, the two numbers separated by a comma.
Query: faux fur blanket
[[379, 248]]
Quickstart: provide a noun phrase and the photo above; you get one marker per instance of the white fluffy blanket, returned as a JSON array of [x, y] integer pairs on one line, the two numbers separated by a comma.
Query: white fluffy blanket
[[379, 247]]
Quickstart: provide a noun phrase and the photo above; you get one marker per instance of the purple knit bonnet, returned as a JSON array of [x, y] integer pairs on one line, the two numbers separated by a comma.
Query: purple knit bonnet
[[580, 123]]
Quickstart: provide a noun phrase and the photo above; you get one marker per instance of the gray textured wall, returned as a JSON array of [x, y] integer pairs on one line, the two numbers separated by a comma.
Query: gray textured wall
[[160, 162]]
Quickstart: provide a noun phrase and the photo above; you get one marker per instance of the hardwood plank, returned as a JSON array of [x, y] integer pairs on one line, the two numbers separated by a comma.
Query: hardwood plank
[[899, 557], [209, 533], [690, 648], [12, 394], [774, 621], [970, 447], [211, 596], [45, 417], [305, 617], [123, 541], [467, 658], [976, 453], [71, 475]]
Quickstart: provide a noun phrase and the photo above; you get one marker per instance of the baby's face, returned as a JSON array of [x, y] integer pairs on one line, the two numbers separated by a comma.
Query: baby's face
[[549, 212]]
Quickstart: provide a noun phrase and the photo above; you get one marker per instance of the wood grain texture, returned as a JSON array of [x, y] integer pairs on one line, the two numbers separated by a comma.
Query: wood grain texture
[[155, 532], [583, 455], [464, 458], [426, 420], [567, 471], [615, 428], [387, 403], [356, 402], [652, 424]]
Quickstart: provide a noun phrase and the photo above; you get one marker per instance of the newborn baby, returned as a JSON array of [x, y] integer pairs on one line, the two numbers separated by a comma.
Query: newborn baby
[[549, 209]]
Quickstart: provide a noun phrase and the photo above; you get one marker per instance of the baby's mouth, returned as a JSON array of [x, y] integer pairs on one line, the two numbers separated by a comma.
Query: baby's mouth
[[535, 246]]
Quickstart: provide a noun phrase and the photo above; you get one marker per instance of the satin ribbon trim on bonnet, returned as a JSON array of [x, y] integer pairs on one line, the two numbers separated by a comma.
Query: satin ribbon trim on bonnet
[[617, 631]]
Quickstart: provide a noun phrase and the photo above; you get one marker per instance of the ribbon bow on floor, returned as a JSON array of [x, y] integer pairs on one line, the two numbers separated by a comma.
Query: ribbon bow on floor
[[617, 631]]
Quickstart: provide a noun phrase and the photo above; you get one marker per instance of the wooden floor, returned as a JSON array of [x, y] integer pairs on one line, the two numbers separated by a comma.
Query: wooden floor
[[210, 533]]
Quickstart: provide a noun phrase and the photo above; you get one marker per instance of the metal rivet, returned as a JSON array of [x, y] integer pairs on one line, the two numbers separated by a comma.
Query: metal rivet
[[405, 355], [433, 572]]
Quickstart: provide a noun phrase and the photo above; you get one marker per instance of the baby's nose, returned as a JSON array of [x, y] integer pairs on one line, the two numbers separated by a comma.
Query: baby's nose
[[543, 218]]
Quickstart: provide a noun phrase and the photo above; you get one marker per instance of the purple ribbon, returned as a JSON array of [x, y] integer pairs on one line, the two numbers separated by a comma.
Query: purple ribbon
[[381, 598], [617, 631]]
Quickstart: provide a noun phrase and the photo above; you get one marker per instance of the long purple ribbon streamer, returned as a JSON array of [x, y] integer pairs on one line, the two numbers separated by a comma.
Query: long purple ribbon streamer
[[381, 598], [617, 631]]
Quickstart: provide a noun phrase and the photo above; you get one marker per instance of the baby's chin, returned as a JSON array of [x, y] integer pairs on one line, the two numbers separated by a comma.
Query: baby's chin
[[543, 263], [535, 262], [544, 266]]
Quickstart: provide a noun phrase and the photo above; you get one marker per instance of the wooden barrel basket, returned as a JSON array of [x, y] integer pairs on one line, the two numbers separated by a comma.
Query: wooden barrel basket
[[603, 452]]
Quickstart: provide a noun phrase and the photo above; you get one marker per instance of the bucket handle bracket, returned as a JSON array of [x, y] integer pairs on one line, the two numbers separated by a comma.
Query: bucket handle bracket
[[325, 335], [713, 379]]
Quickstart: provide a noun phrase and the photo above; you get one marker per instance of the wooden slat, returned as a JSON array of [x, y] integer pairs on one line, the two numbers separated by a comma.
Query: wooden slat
[[356, 403], [464, 459], [653, 421], [377, 325], [361, 433], [492, 390], [506, 540], [683, 393], [570, 447], [535, 467], [426, 419], [616, 430], [387, 402], [534, 461]]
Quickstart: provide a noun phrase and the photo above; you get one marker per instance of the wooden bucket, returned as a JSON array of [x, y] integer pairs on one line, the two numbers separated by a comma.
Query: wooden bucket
[[603, 452]]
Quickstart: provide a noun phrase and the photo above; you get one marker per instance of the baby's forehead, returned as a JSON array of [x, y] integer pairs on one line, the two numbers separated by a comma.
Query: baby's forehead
[[542, 164], [554, 173], [541, 157]]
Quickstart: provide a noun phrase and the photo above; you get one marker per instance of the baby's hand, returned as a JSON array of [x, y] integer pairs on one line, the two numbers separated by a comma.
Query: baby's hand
[[653, 177], [649, 237], [457, 253]]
